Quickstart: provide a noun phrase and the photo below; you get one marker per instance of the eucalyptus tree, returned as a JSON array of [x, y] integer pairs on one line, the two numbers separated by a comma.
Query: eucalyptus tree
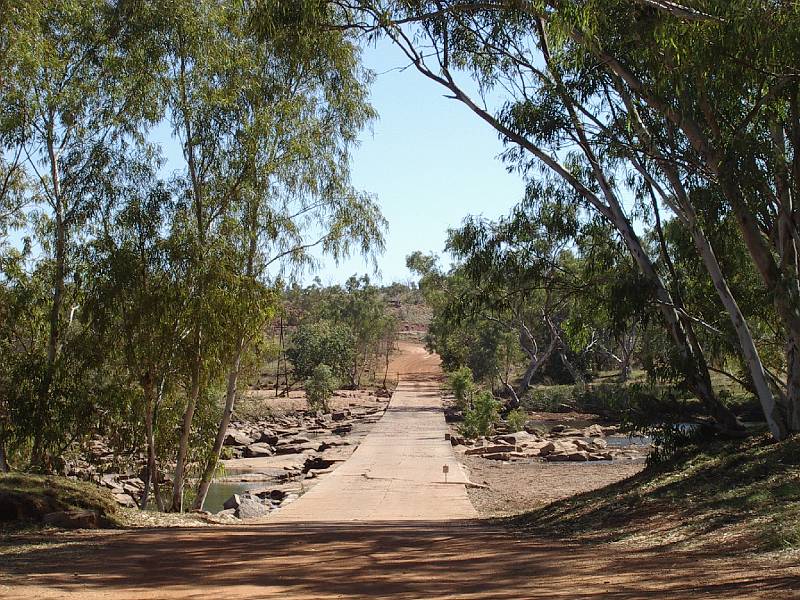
[[70, 104], [563, 66], [267, 115], [461, 332]]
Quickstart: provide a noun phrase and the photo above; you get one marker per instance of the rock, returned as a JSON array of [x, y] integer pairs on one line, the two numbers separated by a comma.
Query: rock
[[251, 508], [456, 440], [73, 519], [593, 431], [600, 456], [125, 500], [293, 441], [340, 415], [228, 515], [237, 438], [531, 427], [482, 450], [342, 429], [299, 448], [273, 495], [583, 445], [383, 393], [600, 443], [497, 456], [557, 457], [580, 456], [547, 449], [131, 489], [110, 481], [258, 450], [517, 439], [268, 436], [564, 431], [232, 503]]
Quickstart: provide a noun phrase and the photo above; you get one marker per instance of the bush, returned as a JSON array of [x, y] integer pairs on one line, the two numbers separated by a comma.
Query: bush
[[321, 343], [516, 420], [463, 387], [320, 387], [481, 417]]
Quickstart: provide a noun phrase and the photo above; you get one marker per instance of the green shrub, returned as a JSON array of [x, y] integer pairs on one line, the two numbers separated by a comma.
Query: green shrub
[[516, 420], [324, 343], [320, 387], [463, 387], [481, 417]]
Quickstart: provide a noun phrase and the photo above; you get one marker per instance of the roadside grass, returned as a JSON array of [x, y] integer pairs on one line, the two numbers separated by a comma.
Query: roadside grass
[[743, 496], [25, 498]]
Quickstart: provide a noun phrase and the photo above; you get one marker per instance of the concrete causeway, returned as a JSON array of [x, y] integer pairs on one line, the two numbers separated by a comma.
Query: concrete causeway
[[396, 472]]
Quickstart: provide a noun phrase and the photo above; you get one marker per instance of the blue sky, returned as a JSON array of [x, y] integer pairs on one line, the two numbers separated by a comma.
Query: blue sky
[[429, 161]]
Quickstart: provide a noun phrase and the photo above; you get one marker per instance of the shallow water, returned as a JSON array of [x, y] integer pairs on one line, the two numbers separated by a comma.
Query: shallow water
[[220, 491]]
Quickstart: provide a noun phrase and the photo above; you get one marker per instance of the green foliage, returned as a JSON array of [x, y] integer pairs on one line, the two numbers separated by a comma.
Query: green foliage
[[319, 343], [359, 313], [516, 419], [481, 417], [320, 387], [145, 297], [463, 386]]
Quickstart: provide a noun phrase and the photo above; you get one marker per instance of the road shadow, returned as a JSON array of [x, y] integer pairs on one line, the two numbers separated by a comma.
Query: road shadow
[[375, 560]]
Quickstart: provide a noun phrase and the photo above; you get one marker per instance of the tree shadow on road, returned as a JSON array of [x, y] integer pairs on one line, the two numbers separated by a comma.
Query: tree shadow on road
[[375, 560]]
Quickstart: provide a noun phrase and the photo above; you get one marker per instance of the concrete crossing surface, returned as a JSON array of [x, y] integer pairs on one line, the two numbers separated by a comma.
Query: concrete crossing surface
[[397, 472]]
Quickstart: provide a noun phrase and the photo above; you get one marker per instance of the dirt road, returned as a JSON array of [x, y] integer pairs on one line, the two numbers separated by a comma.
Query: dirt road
[[318, 549]]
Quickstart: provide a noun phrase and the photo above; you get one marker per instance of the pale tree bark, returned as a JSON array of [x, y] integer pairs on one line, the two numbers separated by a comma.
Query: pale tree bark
[[56, 198], [219, 440], [696, 371], [684, 210]]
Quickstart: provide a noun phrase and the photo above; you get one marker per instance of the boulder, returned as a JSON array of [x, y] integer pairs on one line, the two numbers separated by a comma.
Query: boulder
[[73, 519], [125, 500], [600, 456], [228, 515], [110, 481], [237, 438], [232, 503], [258, 450], [547, 448], [557, 457], [593, 431], [565, 432], [267, 436], [340, 415], [456, 440], [600, 443], [273, 495], [251, 508], [298, 448]]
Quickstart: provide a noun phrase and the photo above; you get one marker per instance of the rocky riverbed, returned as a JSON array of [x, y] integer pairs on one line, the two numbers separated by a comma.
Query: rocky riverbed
[[268, 461], [558, 455]]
